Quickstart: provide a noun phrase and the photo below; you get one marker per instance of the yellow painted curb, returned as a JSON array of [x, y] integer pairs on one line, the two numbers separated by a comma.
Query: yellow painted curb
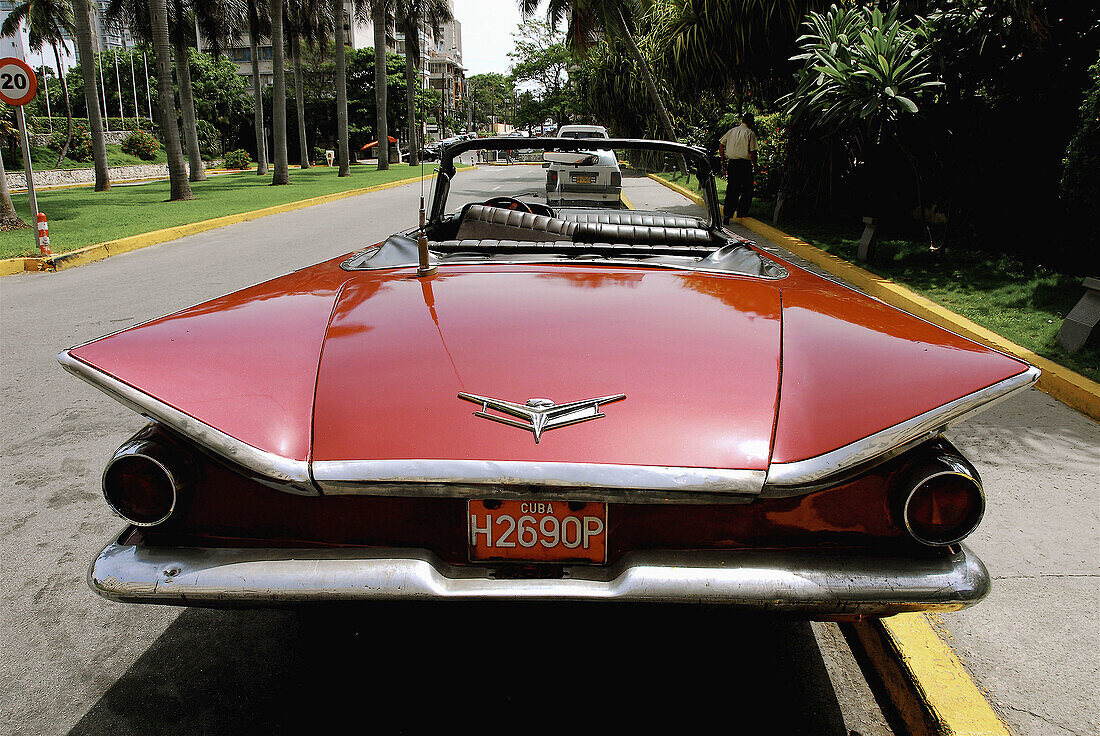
[[8, 266], [928, 685], [697, 199], [99, 251], [626, 201], [1069, 387]]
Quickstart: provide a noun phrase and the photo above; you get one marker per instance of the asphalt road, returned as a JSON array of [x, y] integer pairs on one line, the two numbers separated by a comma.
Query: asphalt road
[[73, 662]]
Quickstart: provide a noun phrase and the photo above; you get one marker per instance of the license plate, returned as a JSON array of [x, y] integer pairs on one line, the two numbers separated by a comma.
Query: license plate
[[537, 531], [584, 178]]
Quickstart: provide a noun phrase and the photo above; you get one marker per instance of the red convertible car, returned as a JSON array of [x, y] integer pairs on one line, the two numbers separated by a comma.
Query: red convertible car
[[518, 403]]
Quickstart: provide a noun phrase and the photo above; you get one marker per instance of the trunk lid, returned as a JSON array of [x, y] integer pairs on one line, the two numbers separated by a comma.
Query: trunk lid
[[697, 357]]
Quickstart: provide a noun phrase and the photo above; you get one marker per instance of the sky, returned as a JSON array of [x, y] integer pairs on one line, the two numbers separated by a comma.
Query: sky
[[487, 27]]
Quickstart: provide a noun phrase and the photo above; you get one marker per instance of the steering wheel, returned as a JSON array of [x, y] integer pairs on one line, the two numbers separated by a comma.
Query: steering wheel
[[508, 203]]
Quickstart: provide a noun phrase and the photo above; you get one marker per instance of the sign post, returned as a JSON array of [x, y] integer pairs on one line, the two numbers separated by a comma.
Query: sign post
[[18, 86]]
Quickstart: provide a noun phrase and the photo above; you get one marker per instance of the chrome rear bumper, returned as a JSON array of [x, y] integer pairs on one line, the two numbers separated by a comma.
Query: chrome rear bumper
[[803, 582]]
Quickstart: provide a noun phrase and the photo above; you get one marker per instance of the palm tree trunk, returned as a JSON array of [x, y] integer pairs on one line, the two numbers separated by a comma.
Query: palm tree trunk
[[410, 94], [9, 220], [299, 100], [650, 83], [381, 129], [187, 103], [68, 106], [278, 97], [162, 50], [257, 92], [82, 20], [341, 91]]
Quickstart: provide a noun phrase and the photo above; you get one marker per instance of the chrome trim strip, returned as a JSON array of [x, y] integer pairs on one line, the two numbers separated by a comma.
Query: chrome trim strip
[[815, 582], [291, 475], [361, 476], [783, 476]]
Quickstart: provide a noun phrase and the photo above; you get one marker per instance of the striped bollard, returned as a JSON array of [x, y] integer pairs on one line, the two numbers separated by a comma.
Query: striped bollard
[[43, 235]]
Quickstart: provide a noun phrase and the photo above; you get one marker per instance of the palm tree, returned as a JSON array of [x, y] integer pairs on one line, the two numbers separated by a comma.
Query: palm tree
[[278, 110], [180, 32], [135, 15], [341, 89], [49, 22], [612, 18], [82, 21], [162, 50], [306, 22], [257, 26], [411, 14], [738, 43], [379, 10]]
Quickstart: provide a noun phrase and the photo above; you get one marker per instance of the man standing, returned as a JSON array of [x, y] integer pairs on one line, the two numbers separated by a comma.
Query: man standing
[[737, 149]]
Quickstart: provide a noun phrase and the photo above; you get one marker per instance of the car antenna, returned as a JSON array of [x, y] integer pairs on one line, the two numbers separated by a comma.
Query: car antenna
[[423, 268]]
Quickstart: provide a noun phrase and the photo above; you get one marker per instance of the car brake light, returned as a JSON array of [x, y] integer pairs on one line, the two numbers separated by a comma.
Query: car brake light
[[942, 500], [142, 482], [616, 179], [551, 179]]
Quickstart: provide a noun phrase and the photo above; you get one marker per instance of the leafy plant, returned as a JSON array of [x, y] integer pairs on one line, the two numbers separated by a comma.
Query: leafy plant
[[1081, 167], [80, 148], [861, 69], [141, 144], [237, 159]]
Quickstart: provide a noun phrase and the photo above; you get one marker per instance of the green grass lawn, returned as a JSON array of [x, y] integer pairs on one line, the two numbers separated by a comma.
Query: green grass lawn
[[1023, 302], [44, 158], [81, 217]]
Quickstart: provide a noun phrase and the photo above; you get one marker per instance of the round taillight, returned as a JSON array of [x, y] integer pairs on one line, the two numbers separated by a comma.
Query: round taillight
[[944, 502], [140, 487]]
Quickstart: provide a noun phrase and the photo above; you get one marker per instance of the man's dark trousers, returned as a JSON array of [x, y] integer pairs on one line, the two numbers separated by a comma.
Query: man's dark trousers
[[738, 187]]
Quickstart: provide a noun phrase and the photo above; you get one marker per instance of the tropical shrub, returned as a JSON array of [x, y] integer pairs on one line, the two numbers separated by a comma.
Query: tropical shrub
[[862, 72], [237, 159], [1081, 166], [80, 147], [209, 138], [141, 144]]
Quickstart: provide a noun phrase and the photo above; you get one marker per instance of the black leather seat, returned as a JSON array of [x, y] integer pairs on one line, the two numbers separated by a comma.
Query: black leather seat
[[481, 222], [632, 217], [598, 232]]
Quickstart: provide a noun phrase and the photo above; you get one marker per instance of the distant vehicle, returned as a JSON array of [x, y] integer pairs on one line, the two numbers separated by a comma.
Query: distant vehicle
[[581, 131], [430, 152], [582, 177]]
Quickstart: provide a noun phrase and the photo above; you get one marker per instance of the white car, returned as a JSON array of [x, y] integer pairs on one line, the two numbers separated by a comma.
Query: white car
[[582, 177]]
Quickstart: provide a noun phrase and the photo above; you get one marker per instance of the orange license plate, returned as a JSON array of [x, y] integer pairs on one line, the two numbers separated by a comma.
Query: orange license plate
[[537, 531], [584, 178]]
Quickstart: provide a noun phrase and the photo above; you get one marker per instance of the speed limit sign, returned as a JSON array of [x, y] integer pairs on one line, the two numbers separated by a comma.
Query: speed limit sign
[[18, 82]]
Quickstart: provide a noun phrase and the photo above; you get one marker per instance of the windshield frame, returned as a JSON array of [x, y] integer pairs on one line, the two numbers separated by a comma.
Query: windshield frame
[[698, 160]]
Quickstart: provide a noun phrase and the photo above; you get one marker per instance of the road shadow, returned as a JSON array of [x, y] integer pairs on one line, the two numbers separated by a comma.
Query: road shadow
[[410, 668]]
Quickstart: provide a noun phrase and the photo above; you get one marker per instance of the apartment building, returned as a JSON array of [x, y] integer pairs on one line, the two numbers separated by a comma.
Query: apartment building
[[446, 72]]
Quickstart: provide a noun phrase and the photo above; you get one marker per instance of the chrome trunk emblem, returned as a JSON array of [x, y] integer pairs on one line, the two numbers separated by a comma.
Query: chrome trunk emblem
[[540, 414]]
